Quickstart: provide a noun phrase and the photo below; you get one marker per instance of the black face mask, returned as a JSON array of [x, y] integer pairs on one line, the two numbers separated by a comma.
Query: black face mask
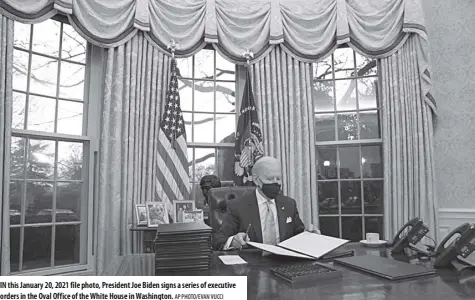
[[271, 190]]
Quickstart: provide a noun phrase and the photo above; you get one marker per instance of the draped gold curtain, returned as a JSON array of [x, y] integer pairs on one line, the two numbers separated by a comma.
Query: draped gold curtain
[[283, 90], [407, 131], [6, 69], [135, 83]]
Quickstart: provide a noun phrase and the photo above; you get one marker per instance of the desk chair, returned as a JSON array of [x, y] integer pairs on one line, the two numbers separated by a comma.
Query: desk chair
[[218, 199]]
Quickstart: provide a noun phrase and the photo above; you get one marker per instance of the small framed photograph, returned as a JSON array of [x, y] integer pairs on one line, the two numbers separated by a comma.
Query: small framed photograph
[[181, 206], [157, 214], [190, 216], [141, 214]]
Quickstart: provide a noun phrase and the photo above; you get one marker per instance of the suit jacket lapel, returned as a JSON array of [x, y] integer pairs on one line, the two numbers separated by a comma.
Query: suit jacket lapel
[[255, 217], [281, 216]]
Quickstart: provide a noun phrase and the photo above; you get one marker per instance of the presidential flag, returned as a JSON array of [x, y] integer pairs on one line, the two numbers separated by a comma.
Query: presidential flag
[[172, 180], [248, 145]]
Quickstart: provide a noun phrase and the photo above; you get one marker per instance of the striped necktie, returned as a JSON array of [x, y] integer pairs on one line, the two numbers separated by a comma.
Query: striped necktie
[[269, 232]]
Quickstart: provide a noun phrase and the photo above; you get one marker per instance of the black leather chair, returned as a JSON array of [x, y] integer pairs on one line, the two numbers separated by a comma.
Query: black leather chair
[[218, 199]]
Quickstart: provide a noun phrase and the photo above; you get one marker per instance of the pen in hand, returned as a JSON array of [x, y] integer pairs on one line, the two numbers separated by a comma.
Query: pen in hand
[[247, 233]]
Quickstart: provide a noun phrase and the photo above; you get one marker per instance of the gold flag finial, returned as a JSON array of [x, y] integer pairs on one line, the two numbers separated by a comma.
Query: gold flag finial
[[248, 55], [172, 46]]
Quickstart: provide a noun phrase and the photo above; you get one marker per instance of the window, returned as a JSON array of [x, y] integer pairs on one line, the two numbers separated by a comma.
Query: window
[[49, 149], [348, 138], [207, 88]]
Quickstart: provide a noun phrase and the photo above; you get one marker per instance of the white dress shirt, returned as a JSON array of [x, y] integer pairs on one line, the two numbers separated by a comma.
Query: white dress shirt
[[261, 202]]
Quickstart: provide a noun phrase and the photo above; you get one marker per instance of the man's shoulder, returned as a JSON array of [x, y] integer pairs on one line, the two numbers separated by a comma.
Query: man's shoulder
[[287, 199]]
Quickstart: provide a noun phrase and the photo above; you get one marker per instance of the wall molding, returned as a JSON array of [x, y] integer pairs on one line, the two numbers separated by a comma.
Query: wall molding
[[450, 218]]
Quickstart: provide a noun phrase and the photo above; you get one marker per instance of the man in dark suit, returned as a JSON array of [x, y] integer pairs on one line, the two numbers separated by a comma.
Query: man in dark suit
[[270, 216]]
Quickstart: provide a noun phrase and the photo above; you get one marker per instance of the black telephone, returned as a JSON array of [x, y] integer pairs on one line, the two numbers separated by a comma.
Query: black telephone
[[464, 245], [416, 232]]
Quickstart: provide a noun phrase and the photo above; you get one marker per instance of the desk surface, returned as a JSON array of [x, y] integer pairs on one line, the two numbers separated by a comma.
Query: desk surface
[[448, 285]]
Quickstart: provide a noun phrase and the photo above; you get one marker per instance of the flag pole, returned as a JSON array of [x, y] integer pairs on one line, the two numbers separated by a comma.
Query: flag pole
[[173, 46], [248, 55]]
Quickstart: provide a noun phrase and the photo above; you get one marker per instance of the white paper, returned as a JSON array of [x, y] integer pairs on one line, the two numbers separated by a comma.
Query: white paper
[[232, 260], [277, 250], [312, 244]]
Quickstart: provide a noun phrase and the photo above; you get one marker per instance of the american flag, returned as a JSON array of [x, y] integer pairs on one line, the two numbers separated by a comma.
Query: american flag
[[172, 181]]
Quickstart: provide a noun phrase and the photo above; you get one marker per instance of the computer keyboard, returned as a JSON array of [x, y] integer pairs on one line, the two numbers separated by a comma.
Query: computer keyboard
[[305, 272]]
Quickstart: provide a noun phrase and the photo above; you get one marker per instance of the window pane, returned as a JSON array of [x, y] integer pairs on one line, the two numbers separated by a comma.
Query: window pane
[[345, 94], [37, 247], [367, 91], [369, 125], [71, 82], [67, 245], [204, 96], [324, 127], [328, 198], [350, 197], [374, 225], [204, 162], [324, 97], [40, 159], [44, 74], [22, 35], [185, 88], [225, 163], [47, 43], [68, 201], [371, 159], [187, 119], [74, 46], [225, 97], [16, 195], [225, 70], [17, 158], [330, 226], [347, 126], [39, 202], [18, 113], [204, 64], [14, 249], [20, 69], [70, 117], [225, 125], [185, 66], [70, 161], [41, 113], [365, 66], [352, 228], [323, 69], [349, 162], [327, 167], [373, 197], [344, 63], [203, 128]]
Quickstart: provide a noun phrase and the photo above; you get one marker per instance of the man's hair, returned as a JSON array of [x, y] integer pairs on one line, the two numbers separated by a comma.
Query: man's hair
[[210, 180]]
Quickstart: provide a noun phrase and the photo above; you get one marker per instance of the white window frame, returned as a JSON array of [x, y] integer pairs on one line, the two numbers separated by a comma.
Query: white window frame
[[360, 143], [91, 120]]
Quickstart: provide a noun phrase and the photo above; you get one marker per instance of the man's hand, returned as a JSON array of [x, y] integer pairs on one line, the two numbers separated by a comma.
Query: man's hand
[[239, 240], [312, 228]]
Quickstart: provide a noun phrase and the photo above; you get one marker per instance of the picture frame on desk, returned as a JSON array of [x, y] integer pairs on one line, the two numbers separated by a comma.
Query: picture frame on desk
[[181, 206], [190, 216], [141, 214], [157, 213]]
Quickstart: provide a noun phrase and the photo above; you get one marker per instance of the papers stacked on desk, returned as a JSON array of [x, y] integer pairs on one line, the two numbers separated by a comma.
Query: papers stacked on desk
[[182, 247]]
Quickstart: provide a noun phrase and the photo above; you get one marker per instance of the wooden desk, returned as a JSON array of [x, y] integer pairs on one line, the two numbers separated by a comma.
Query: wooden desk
[[352, 285]]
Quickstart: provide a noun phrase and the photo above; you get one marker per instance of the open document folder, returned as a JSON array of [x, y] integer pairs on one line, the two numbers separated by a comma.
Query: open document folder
[[304, 245]]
